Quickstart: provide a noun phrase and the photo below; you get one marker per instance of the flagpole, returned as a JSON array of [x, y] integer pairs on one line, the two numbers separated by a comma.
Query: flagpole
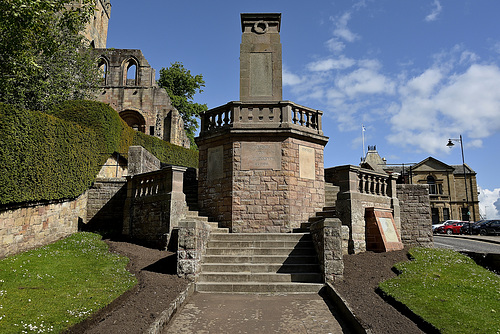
[[363, 135]]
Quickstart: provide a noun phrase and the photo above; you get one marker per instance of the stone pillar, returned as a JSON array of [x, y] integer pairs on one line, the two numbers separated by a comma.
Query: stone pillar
[[260, 58]]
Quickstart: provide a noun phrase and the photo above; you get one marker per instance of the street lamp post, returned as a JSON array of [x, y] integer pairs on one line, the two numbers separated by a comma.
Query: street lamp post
[[450, 145]]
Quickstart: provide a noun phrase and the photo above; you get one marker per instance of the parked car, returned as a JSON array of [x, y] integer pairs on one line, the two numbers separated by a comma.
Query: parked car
[[436, 226], [476, 227], [468, 227], [450, 228], [490, 227]]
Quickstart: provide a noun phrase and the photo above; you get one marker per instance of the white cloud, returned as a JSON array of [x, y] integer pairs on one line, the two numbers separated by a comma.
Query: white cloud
[[365, 81], [435, 11], [489, 203], [331, 64], [290, 79], [342, 31], [335, 45], [436, 106]]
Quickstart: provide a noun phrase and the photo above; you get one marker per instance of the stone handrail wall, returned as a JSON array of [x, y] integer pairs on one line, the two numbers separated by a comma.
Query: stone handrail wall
[[354, 179], [284, 115], [362, 188], [155, 204]]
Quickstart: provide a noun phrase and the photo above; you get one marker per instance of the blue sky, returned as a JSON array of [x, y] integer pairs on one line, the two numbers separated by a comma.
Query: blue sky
[[415, 73]]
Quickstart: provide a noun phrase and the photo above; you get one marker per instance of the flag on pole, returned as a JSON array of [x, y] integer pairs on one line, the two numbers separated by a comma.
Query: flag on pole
[[363, 128]]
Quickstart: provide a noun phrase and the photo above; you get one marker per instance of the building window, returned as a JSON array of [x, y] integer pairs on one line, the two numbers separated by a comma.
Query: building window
[[432, 185], [446, 214]]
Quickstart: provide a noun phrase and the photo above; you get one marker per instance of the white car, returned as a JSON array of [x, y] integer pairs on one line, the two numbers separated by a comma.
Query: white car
[[434, 226]]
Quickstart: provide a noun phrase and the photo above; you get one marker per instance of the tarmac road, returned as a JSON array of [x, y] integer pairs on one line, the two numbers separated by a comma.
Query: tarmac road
[[477, 244]]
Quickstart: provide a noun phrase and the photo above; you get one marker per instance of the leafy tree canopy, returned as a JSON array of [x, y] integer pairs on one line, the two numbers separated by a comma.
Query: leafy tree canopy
[[181, 86], [43, 57]]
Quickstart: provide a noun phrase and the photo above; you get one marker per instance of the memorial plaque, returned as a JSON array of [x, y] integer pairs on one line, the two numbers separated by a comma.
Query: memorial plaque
[[215, 163], [307, 162], [388, 228], [256, 155], [261, 74]]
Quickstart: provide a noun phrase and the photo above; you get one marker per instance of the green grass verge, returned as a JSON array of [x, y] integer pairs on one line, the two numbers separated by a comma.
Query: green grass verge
[[448, 290], [54, 287]]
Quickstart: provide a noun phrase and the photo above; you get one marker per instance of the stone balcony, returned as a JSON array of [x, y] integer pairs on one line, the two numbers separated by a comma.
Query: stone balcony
[[261, 116]]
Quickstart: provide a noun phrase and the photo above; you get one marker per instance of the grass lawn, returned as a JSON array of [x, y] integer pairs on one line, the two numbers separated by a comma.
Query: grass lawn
[[448, 290], [54, 287]]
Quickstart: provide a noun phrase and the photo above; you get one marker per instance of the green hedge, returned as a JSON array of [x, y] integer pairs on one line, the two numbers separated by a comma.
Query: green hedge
[[55, 155]]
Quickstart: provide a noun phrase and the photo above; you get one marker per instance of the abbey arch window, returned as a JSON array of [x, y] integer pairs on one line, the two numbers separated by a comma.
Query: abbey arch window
[[130, 72], [134, 119], [103, 70]]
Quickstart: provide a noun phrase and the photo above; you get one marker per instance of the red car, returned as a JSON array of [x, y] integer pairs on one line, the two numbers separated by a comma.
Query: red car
[[450, 228]]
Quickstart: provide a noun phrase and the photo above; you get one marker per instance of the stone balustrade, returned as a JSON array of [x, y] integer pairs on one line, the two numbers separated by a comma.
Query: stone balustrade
[[354, 179], [262, 115]]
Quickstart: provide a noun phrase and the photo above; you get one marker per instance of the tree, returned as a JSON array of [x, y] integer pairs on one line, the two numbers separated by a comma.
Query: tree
[[181, 86], [43, 57]]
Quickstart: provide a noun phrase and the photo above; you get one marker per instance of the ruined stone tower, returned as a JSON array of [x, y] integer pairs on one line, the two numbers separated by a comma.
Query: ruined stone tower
[[261, 158]]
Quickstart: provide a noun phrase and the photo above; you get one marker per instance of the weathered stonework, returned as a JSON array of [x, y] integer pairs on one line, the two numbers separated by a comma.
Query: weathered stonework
[[192, 245], [155, 204], [34, 225], [96, 31], [360, 189], [139, 101], [327, 237], [262, 200], [106, 201], [415, 215]]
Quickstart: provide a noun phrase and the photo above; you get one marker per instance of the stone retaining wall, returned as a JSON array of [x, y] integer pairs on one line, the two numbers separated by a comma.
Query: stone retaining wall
[[34, 225], [415, 213]]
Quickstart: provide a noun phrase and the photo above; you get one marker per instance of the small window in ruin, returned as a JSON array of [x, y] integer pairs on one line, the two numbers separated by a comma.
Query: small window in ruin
[[131, 74], [103, 69]]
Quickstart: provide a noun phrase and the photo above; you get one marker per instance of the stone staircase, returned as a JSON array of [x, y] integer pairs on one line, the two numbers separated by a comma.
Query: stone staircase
[[260, 263], [195, 216]]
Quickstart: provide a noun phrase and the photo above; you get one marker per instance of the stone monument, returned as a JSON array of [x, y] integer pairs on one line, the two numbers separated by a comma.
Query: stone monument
[[261, 158]]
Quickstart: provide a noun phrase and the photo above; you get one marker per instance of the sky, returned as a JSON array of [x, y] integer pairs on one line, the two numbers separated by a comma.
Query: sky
[[413, 73]]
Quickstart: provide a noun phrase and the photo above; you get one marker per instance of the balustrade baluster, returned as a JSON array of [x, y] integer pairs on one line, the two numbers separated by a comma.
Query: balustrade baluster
[[308, 119], [301, 112], [294, 119], [226, 117], [361, 183]]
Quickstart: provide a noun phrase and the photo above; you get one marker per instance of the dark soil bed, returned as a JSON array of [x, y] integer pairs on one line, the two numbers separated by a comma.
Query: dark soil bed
[[158, 286]]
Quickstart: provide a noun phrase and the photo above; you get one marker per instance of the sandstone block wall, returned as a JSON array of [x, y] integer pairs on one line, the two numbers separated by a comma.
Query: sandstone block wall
[[328, 242], [262, 200], [106, 201], [416, 223], [26, 227]]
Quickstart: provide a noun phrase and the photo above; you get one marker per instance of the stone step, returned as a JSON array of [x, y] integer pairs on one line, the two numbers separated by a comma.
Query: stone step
[[260, 267], [249, 251], [260, 236], [258, 287], [218, 277], [260, 244], [268, 259]]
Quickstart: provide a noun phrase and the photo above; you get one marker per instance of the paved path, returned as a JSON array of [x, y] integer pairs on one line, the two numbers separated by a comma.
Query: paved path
[[262, 314]]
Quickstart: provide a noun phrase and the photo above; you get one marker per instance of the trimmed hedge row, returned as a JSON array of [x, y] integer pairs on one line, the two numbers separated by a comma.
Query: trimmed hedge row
[[56, 155]]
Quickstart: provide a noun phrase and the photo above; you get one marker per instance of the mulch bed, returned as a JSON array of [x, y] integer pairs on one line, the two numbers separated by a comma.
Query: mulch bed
[[158, 286]]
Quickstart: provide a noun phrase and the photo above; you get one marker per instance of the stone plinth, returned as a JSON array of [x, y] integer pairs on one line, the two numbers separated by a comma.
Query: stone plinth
[[261, 166]]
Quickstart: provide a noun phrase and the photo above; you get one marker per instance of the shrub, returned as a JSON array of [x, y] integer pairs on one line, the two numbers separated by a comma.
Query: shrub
[[58, 154]]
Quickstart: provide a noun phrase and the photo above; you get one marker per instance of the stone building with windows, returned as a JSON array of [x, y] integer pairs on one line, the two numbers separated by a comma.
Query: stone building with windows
[[129, 84], [453, 193]]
